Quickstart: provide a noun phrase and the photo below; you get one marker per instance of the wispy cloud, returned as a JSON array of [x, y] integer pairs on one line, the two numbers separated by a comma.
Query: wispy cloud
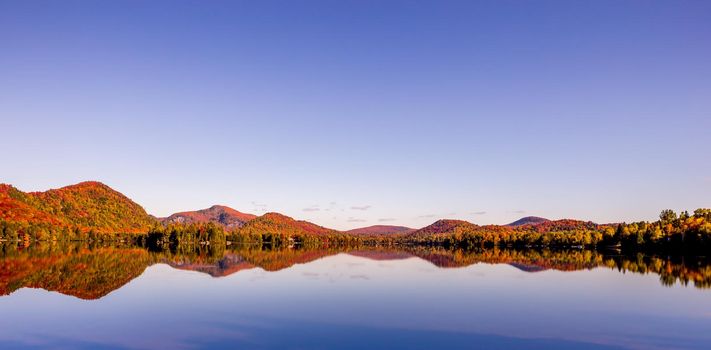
[[355, 220], [331, 206], [360, 277], [364, 207], [519, 212], [259, 206], [312, 208], [478, 213], [427, 216], [386, 219]]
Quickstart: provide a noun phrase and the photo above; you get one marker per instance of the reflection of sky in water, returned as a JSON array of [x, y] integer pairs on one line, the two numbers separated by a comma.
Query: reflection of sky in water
[[343, 301]]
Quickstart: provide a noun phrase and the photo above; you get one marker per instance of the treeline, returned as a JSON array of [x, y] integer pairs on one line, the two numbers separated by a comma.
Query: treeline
[[214, 234], [39, 231], [671, 232], [158, 234]]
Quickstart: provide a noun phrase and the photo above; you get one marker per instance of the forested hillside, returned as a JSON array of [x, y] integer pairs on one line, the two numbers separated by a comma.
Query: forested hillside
[[75, 211]]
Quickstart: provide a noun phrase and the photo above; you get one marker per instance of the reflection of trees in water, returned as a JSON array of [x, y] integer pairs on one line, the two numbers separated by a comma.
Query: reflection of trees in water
[[671, 269], [93, 271], [84, 272]]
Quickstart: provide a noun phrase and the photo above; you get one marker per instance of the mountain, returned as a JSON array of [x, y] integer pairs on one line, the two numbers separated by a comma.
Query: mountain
[[441, 227], [380, 230], [85, 206], [225, 216], [275, 223], [74, 211], [528, 220]]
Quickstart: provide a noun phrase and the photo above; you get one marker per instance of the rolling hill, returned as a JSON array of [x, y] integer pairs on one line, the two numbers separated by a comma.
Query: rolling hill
[[528, 220], [225, 216], [93, 206], [561, 225], [444, 226], [275, 223], [85, 206]]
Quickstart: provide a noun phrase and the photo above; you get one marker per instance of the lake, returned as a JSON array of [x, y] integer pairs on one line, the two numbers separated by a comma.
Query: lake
[[122, 297]]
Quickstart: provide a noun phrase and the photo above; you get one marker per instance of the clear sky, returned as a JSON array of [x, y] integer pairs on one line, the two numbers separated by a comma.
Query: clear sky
[[354, 113]]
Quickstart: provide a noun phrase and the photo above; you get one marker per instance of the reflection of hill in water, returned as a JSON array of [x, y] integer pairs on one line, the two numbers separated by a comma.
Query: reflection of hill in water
[[232, 262], [91, 273], [226, 266], [83, 273], [527, 267]]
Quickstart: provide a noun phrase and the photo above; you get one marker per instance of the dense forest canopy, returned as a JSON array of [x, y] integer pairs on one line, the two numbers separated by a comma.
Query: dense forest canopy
[[72, 211]]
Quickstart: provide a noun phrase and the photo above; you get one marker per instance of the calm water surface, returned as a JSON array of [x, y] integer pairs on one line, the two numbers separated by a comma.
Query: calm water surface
[[131, 299]]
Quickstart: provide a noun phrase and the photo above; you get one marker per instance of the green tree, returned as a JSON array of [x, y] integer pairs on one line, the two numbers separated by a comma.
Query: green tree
[[667, 216]]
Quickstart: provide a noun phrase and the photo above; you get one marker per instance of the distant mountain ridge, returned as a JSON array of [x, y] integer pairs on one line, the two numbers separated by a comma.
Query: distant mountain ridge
[[227, 217], [94, 206], [528, 220]]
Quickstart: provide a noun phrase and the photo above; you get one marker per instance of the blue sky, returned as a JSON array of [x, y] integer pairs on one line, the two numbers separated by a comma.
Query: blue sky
[[352, 113]]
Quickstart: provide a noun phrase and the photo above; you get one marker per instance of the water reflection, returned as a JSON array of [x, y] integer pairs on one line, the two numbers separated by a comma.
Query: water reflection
[[91, 272], [252, 297]]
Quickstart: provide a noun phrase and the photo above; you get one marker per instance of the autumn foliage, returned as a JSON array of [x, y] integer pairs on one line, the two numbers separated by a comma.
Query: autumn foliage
[[91, 211], [77, 210]]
